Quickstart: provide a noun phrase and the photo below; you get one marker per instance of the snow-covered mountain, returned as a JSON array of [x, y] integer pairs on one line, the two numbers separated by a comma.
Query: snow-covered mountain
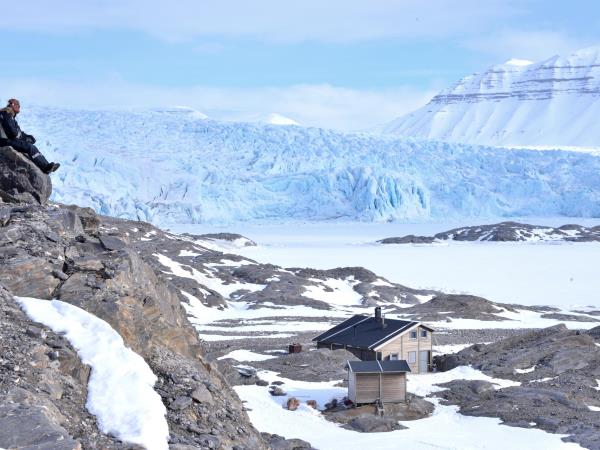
[[170, 166], [555, 102]]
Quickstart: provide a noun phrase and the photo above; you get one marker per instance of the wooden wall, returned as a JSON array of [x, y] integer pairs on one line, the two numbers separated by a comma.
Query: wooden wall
[[366, 387], [404, 344]]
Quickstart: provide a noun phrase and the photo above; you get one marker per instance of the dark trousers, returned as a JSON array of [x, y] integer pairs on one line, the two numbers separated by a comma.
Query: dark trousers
[[30, 150]]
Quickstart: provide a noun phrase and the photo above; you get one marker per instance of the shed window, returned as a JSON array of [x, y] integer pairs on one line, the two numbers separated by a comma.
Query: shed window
[[413, 334], [393, 356], [424, 333], [412, 357]]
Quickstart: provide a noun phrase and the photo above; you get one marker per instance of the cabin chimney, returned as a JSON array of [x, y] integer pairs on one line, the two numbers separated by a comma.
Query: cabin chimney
[[379, 317]]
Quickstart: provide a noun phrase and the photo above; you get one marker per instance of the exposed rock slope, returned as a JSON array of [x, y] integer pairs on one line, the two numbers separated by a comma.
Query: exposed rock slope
[[73, 255], [20, 179], [559, 372], [505, 232]]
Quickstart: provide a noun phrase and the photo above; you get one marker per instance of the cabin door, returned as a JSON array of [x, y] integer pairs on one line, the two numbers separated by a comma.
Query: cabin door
[[423, 361]]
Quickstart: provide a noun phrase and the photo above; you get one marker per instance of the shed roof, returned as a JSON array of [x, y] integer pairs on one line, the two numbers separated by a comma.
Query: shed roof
[[365, 332], [387, 366]]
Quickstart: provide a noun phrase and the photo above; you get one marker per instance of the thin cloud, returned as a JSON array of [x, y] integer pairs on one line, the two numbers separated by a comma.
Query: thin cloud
[[270, 20], [525, 44], [311, 105]]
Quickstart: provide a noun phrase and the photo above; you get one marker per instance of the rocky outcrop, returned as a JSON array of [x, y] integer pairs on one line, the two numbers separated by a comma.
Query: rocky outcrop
[[89, 261], [505, 232], [42, 388], [21, 180], [558, 370]]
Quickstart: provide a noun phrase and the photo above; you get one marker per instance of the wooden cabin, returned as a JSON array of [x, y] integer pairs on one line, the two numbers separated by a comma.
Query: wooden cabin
[[369, 381], [375, 338]]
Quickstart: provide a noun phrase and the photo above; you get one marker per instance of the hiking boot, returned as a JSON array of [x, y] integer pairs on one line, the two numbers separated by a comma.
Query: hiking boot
[[51, 167]]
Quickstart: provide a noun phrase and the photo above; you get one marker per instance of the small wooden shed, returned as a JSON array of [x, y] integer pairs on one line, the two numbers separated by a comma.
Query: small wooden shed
[[369, 381]]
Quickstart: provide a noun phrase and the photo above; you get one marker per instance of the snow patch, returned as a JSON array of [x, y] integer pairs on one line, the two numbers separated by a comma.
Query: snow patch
[[246, 355], [528, 370], [121, 386]]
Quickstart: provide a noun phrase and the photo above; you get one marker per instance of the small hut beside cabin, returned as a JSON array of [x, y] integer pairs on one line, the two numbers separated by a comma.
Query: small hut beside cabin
[[370, 381]]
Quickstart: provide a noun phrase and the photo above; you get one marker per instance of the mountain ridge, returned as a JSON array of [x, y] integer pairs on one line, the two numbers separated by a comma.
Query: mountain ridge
[[553, 102]]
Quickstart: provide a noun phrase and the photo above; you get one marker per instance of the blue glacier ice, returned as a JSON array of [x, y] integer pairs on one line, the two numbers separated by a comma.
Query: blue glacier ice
[[173, 166]]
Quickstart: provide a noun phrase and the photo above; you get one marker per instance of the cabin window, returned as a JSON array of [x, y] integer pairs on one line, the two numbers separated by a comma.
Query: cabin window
[[393, 357], [412, 357], [424, 333], [413, 334]]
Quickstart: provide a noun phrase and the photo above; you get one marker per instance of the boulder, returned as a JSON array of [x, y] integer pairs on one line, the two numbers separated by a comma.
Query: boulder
[[292, 404], [374, 424], [276, 391], [20, 179]]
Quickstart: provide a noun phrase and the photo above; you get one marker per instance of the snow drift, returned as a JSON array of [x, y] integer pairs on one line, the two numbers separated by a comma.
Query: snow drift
[[172, 166]]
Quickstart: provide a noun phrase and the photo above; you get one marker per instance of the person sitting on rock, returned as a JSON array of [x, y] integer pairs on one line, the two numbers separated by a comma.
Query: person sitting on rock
[[11, 134]]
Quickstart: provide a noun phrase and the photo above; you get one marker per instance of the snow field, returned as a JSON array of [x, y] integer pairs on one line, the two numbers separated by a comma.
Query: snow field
[[445, 429], [530, 274], [121, 386], [214, 283], [246, 355]]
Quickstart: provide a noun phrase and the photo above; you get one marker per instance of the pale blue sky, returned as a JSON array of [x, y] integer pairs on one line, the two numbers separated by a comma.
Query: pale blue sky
[[347, 64]]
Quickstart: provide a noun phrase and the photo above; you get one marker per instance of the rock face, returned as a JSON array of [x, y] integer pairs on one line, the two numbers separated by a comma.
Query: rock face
[[549, 103], [558, 370], [21, 180], [42, 388], [505, 232], [92, 262]]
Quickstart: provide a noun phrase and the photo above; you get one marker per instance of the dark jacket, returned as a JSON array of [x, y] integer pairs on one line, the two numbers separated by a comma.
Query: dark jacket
[[9, 128]]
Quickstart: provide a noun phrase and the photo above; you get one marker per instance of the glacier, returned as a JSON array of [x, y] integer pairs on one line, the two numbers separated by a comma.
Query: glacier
[[170, 166], [554, 102]]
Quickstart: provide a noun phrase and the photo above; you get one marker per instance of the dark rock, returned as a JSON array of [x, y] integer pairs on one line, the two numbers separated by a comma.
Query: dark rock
[[277, 442], [292, 403], [374, 424], [60, 274], [112, 243], [276, 391], [21, 180], [262, 383], [89, 219], [180, 403], [36, 332], [52, 236], [202, 395], [4, 216]]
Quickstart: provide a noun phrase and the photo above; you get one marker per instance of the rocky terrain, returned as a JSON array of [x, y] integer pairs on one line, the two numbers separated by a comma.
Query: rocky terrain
[[558, 371], [160, 292], [71, 254], [505, 232]]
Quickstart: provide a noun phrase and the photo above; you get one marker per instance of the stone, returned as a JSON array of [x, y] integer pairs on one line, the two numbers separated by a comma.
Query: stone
[[60, 275], [52, 236], [180, 403], [4, 216], [262, 383], [112, 243], [312, 403], [374, 424], [276, 391], [36, 332], [21, 180], [26, 422], [202, 395], [292, 404], [89, 219]]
